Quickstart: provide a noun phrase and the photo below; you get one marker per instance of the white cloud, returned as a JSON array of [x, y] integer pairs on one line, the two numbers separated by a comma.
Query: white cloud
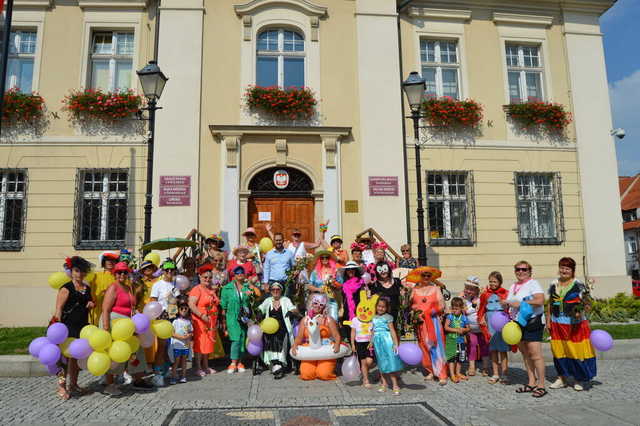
[[625, 106]]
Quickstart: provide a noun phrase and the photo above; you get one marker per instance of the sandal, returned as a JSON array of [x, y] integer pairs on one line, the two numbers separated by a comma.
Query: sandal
[[539, 392], [428, 377], [484, 373], [525, 389], [493, 380], [396, 392], [200, 373], [471, 373], [504, 381], [79, 390], [367, 385], [442, 382], [62, 391], [210, 371], [382, 389], [462, 377], [455, 379]]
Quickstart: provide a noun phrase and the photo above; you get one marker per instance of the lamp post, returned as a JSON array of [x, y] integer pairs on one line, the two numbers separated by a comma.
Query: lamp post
[[414, 87], [152, 81]]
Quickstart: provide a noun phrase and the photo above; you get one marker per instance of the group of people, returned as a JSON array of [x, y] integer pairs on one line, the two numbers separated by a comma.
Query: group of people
[[360, 299]]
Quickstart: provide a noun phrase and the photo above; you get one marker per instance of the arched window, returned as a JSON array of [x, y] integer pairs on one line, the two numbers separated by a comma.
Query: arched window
[[280, 58]]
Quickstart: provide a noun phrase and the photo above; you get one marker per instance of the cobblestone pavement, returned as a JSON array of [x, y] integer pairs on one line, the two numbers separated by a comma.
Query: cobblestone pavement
[[243, 399]]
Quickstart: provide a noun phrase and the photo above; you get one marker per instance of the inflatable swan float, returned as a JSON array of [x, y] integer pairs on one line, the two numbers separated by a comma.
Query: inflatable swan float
[[315, 350]]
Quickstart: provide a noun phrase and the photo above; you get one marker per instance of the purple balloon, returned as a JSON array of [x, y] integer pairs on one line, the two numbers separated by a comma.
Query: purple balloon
[[53, 369], [410, 353], [254, 349], [80, 349], [37, 344], [295, 330], [142, 323], [254, 333], [182, 282], [57, 333], [601, 340], [49, 354], [499, 320]]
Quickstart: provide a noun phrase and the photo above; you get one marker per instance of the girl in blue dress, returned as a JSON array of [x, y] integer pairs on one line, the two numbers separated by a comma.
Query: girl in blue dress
[[385, 346]]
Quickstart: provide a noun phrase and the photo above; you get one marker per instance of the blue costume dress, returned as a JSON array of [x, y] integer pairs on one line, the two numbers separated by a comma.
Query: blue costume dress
[[494, 307], [388, 360]]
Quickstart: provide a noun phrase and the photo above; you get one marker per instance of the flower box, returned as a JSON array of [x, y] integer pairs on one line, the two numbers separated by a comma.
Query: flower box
[[286, 104], [447, 112], [21, 107], [90, 104], [535, 114]]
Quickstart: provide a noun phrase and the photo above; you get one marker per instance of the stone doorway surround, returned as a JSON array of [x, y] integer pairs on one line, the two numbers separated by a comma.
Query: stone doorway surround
[[234, 182]]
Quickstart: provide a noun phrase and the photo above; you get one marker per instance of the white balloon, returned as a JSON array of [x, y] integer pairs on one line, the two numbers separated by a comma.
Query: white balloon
[[366, 277], [152, 310], [147, 338]]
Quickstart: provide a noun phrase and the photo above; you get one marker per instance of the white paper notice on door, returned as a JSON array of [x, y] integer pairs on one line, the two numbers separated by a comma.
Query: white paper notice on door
[[264, 216]]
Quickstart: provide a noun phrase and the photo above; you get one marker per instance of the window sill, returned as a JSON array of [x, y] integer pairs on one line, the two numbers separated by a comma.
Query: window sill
[[11, 245], [441, 242], [100, 245], [540, 242]]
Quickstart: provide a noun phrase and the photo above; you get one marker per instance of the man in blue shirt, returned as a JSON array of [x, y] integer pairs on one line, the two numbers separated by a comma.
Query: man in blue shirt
[[277, 262]]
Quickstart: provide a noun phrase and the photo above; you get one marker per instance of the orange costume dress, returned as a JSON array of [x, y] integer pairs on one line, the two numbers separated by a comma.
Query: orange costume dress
[[322, 369], [430, 332], [205, 334]]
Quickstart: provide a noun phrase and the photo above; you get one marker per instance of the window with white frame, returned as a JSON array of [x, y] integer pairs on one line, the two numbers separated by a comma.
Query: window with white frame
[[525, 73], [450, 207], [111, 60], [441, 67], [101, 208], [13, 200], [632, 246], [22, 51], [539, 207], [280, 58]]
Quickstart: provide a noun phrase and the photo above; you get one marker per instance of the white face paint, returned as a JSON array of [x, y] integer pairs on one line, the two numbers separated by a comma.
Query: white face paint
[[382, 269]]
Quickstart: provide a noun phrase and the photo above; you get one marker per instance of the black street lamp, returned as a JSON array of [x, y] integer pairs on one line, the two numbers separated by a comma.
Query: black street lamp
[[152, 81], [414, 87]]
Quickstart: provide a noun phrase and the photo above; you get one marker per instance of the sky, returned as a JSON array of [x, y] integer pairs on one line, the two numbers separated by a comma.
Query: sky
[[622, 54]]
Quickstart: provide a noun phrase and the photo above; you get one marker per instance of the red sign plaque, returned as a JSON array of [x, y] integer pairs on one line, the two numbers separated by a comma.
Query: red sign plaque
[[175, 191], [383, 186]]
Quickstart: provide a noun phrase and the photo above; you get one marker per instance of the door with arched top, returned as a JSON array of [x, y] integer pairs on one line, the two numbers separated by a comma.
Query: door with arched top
[[282, 196]]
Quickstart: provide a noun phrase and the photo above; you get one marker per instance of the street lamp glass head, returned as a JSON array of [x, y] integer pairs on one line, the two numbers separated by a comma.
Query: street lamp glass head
[[414, 87], [152, 80]]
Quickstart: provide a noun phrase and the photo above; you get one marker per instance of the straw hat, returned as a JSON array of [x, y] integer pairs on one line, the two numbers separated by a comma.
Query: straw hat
[[472, 281], [146, 264], [350, 265], [240, 248], [415, 276], [321, 253]]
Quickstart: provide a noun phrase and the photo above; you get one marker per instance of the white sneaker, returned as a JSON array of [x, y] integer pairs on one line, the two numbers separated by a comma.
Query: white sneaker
[[241, 368], [231, 369], [578, 387], [157, 380], [558, 384], [112, 390], [126, 378]]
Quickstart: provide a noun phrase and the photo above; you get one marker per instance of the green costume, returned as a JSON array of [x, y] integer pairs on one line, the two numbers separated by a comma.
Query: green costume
[[231, 300]]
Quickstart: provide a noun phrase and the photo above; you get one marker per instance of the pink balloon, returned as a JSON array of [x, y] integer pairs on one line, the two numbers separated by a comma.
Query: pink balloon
[[366, 277], [152, 310], [182, 282], [57, 333]]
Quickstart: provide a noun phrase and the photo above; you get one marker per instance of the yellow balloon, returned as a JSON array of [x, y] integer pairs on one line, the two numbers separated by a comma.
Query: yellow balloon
[[153, 258], [133, 343], [123, 329], [87, 331], [57, 280], [265, 244], [119, 351], [100, 340], [64, 346], [270, 325], [98, 363], [90, 276], [511, 333], [162, 328]]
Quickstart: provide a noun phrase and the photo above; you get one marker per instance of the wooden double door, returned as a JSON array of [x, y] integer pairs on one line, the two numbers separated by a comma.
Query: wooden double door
[[285, 215]]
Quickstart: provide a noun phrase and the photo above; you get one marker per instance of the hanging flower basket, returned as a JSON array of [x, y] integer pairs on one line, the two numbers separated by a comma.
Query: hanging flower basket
[[90, 104], [286, 104], [21, 107], [447, 112], [533, 115]]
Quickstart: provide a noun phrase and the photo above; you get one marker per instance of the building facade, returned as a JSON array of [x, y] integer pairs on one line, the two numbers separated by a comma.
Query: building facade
[[493, 195], [630, 204]]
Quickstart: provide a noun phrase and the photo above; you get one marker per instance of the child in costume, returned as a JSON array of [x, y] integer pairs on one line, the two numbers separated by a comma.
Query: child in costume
[[361, 334], [180, 343], [100, 283], [385, 345], [478, 349], [456, 326], [490, 306]]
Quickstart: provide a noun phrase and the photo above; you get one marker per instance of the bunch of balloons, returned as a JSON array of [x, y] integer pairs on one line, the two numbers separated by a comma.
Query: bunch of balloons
[[98, 350], [254, 336]]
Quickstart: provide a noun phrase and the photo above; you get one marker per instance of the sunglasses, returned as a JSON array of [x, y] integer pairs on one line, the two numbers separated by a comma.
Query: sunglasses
[[205, 278], [405, 251], [426, 274], [522, 269], [324, 257], [122, 273], [318, 304]]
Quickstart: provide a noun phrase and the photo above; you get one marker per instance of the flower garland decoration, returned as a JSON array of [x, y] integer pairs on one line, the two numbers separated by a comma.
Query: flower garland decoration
[[21, 107], [381, 245], [96, 104], [449, 112], [293, 103], [535, 114], [357, 245]]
